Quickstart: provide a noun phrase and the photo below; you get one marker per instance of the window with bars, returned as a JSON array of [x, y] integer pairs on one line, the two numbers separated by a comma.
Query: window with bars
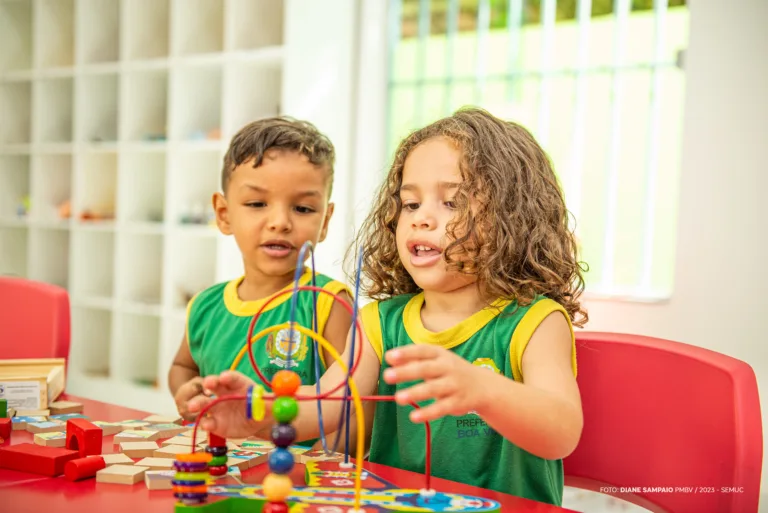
[[599, 84]]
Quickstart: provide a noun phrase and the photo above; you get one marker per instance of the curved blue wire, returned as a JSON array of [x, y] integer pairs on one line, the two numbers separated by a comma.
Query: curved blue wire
[[352, 354]]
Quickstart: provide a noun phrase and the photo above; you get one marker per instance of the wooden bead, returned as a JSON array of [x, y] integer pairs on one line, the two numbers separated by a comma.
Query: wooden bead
[[285, 409], [275, 507], [276, 488], [285, 383]]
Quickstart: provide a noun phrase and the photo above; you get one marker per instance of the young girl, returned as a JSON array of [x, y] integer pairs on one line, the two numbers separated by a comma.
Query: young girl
[[476, 284]]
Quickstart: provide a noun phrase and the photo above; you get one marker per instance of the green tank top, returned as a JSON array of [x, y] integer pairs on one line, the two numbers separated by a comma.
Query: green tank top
[[465, 448], [218, 321]]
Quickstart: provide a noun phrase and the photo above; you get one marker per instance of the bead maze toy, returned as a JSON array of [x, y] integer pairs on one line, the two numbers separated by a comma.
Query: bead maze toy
[[331, 487]]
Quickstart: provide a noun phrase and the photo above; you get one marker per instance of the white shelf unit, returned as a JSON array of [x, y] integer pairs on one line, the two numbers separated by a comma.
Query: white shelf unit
[[119, 111]]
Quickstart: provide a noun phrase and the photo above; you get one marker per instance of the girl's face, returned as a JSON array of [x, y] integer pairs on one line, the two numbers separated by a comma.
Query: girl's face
[[431, 175]]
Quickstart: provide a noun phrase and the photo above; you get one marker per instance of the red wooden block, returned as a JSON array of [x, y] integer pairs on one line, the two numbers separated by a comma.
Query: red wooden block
[[36, 459], [83, 468], [83, 436], [5, 428]]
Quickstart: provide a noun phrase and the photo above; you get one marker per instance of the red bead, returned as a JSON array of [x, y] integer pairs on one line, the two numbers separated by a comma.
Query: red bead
[[275, 507], [285, 383], [218, 470]]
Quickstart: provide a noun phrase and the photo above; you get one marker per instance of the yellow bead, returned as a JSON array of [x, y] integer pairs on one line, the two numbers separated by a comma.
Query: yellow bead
[[276, 487]]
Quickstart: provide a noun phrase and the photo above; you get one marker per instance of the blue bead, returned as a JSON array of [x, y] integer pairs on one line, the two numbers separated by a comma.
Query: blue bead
[[280, 461]]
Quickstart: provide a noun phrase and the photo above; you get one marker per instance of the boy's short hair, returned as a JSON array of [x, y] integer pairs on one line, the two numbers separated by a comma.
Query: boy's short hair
[[286, 133]]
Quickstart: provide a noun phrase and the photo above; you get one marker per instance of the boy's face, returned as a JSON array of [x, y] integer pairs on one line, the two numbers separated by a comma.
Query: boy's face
[[272, 210], [431, 175]]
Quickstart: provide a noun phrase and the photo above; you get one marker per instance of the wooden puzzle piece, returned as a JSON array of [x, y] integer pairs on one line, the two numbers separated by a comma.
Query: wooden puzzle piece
[[165, 430], [178, 440], [53, 439], [319, 455], [44, 427], [244, 459], [135, 435], [20, 422], [138, 449], [35, 459], [170, 451], [84, 437], [133, 424], [108, 428], [159, 479], [66, 416], [161, 419], [116, 459], [328, 474], [60, 407], [121, 474], [261, 445], [156, 463], [33, 413]]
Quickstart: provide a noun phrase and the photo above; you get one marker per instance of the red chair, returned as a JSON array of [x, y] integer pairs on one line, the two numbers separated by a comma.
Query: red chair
[[664, 414], [34, 319]]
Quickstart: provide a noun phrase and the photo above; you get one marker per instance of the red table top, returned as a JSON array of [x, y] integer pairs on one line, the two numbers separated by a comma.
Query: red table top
[[36, 493]]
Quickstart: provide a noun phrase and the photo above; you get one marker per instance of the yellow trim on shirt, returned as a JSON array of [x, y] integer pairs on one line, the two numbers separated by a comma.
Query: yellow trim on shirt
[[454, 335], [525, 329], [324, 305], [186, 322], [369, 316], [237, 306]]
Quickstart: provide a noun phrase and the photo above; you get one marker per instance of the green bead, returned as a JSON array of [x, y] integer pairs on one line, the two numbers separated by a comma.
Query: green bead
[[218, 461], [285, 409]]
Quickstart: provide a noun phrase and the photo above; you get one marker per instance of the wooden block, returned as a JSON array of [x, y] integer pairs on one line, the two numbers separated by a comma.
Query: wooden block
[[83, 468], [133, 424], [83, 436], [319, 455], [44, 427], [160, 419], [53, 439], [156, 463], [36, 459], [159, 479], [244, 460], [33, 413], [62, 407], [178, 440], [165, 430], [170, 451], [116, 459], [138, 449], [20, 422], [3, 408], [136, 435], [64, 417], [121, 474], [32, 383], [258, 445], [108, 428], [6, 426], [203, 435]]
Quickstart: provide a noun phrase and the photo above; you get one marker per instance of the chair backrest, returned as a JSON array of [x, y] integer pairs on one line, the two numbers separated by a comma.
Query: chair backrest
[[34, 319], [667, 426]]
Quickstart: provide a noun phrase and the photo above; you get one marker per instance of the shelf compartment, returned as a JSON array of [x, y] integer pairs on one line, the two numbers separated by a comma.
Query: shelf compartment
[[253, 92], [16, 109], [254, 24], [95, 186], [98, 31], [189, 276], [195, 176], [13, 251], [51, 187], [197, 103], [49, 256], [91, 335], [198, 26], [172, 334], [53, 110], [14, 185], [139, 268], [136, 349], [144, 105], [15, 36], [93, 264], [142, 187], [54, 33], [97, 101], [146, 29]]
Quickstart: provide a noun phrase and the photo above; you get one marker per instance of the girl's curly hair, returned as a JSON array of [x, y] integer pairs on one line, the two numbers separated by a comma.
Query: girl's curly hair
[[515, 238]]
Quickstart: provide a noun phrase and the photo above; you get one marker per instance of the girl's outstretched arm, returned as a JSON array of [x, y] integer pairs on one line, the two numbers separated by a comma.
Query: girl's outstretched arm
[[542, 415]]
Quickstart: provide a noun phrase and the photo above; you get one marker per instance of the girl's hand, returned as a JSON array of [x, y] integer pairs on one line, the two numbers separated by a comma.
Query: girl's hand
[[455, 384], [187, 392], [226, 418]]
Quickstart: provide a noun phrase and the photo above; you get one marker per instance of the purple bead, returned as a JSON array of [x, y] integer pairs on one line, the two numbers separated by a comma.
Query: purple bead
[[188, 466], [283, 435]]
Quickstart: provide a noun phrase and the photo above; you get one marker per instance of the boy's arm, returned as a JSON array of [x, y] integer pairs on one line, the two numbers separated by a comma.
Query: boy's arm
[[184, 379], [542, 416]]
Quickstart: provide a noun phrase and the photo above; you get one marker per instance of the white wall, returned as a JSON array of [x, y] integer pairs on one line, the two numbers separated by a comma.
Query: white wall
[[721, 281]]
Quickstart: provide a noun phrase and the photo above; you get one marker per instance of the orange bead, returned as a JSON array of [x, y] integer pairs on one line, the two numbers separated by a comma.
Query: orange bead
[[285, 383]]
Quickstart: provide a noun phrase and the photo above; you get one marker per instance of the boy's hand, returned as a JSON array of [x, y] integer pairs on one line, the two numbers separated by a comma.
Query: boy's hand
[[185, 393], [226, 418], [455, 384]]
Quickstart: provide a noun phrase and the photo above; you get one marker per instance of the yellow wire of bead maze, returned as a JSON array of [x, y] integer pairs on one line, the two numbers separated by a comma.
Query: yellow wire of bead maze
[[359, 416]]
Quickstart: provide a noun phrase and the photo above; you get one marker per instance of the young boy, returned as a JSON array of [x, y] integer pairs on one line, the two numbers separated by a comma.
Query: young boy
[[276, 181]]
